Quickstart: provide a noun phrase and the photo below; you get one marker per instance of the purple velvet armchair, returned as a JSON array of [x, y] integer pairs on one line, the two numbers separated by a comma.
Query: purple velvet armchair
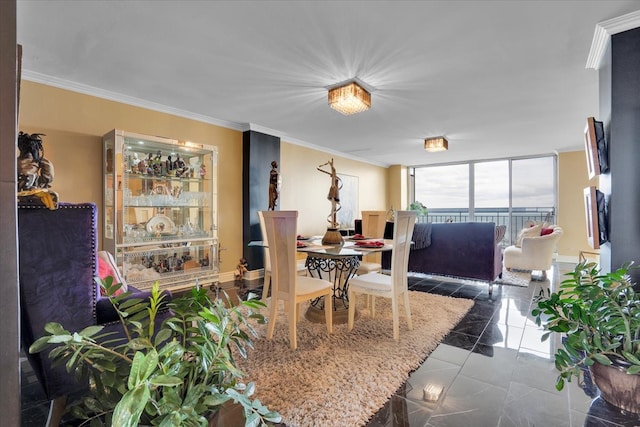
[[58, 263]]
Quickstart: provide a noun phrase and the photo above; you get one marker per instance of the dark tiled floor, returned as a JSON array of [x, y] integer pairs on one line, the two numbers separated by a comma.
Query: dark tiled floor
[[493, 370]]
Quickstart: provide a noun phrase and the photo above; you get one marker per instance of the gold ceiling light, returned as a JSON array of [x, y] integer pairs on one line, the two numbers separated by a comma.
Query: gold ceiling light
[[349, 98], [439, 143]]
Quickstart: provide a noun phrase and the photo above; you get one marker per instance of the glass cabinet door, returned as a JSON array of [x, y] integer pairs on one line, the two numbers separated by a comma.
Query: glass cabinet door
[[160, 209]]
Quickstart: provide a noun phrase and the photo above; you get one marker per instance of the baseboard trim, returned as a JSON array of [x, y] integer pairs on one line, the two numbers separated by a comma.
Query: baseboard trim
[[567, 258], [230, 276]]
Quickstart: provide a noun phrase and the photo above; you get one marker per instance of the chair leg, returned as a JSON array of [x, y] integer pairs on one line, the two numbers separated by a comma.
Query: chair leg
[[396, 318], [293, 320], [328, 312], [352, 310], [373, 306], [56, 410], [266, 286], [407, 310], [368, 300], [273, 310]]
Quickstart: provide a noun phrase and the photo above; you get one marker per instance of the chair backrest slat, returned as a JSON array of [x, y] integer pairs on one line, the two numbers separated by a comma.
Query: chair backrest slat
[[402, 234], [281, 228], [373, 223]]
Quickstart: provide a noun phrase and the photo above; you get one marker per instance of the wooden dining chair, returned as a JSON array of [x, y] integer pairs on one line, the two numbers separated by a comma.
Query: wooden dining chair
[[392, 286], [300, 264], [286, 285], [373, 224]]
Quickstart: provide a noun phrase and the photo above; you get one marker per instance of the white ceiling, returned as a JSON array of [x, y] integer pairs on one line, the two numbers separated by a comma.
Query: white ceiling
[[497, 78]]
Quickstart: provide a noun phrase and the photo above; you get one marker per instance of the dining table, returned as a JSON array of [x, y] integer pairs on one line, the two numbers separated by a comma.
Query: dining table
[[336, 264]]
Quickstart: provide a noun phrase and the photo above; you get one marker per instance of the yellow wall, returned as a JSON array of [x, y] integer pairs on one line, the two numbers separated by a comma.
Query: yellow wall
[[398, 191], [74, 124], [572, 179], [305, 188]]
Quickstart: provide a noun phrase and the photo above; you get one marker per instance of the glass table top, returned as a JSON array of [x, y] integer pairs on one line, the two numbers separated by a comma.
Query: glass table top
[[348, 248]]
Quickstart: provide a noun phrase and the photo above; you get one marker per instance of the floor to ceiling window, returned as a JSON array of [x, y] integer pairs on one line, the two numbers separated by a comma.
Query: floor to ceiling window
[[509, 192]]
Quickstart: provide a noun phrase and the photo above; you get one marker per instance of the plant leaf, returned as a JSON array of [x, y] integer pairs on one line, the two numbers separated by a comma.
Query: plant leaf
[[127, 412], [602, 359]]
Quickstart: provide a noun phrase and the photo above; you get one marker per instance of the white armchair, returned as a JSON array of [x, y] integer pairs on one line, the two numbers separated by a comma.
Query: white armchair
[[534, 253]]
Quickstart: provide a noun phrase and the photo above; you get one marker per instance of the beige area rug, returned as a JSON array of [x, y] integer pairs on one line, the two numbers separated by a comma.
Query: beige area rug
[[344, 378]]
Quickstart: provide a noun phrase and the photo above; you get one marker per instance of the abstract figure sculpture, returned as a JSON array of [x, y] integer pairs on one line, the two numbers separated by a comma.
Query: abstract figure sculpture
[[273, 186], [332, 236]]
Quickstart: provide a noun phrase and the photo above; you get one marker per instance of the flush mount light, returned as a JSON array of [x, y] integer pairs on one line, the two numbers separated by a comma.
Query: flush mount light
[[349, 98], [439, 143]]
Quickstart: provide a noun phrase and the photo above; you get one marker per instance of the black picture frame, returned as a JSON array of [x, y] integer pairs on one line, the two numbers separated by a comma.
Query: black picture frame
[[596, 217], [591, 217], [596, 148]]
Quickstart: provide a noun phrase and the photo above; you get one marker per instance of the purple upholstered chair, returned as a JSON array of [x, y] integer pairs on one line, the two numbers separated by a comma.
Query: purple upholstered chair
[[58, 263]]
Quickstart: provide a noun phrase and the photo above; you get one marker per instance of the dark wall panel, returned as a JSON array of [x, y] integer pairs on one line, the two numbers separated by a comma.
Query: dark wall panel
[[624, 149], [604, 77], [259, 150]]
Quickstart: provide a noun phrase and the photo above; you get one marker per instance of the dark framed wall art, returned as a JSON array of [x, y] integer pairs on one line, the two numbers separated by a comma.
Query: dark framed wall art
[[595, 148]]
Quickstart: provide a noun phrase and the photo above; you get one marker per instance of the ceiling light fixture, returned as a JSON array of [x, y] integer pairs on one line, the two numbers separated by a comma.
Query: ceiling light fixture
[[349, 98], [439, 143]]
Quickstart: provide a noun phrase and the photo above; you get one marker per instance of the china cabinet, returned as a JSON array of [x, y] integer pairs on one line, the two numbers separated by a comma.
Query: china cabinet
[[160, 203]]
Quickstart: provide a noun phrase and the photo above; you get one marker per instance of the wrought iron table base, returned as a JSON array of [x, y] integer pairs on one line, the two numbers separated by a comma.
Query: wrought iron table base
[[337, 270]]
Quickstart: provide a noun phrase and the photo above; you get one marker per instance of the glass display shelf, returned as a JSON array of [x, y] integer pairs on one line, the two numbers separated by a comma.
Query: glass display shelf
[[160, 202]]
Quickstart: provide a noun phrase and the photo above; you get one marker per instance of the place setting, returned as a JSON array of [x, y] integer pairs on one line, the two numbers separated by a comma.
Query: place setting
[[370, 244]]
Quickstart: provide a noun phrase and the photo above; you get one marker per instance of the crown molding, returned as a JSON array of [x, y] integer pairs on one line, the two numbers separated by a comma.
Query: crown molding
[[125, 99], [295, 141], [603, 32], [137, 102]]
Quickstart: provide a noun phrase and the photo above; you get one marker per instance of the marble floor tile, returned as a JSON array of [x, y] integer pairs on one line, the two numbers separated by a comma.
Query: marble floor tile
[[452, 349], [496, 368], [469, 402], [529, 406], [435, 375], [502, 336]]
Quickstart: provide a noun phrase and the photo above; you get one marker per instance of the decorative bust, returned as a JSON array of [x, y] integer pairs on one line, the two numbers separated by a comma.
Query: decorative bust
[[34, 170]]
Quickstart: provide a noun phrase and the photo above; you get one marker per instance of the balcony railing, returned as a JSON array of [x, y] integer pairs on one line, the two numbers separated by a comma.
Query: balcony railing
[[499, 216]]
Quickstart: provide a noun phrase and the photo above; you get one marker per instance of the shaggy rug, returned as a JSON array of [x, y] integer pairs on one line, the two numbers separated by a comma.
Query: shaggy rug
[[514, 278], [344, 378]]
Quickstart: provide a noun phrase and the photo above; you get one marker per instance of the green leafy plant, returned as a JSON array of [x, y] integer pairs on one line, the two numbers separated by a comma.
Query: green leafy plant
[[418, 206], [599, 314], [179, 374]]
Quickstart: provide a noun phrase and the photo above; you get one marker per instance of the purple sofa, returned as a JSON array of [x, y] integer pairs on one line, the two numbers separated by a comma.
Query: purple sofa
[[57, 266], [465, 250]]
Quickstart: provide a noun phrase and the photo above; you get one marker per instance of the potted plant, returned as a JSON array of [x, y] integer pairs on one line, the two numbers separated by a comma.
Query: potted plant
[[599, 316], [419, 207], [179, 374]]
